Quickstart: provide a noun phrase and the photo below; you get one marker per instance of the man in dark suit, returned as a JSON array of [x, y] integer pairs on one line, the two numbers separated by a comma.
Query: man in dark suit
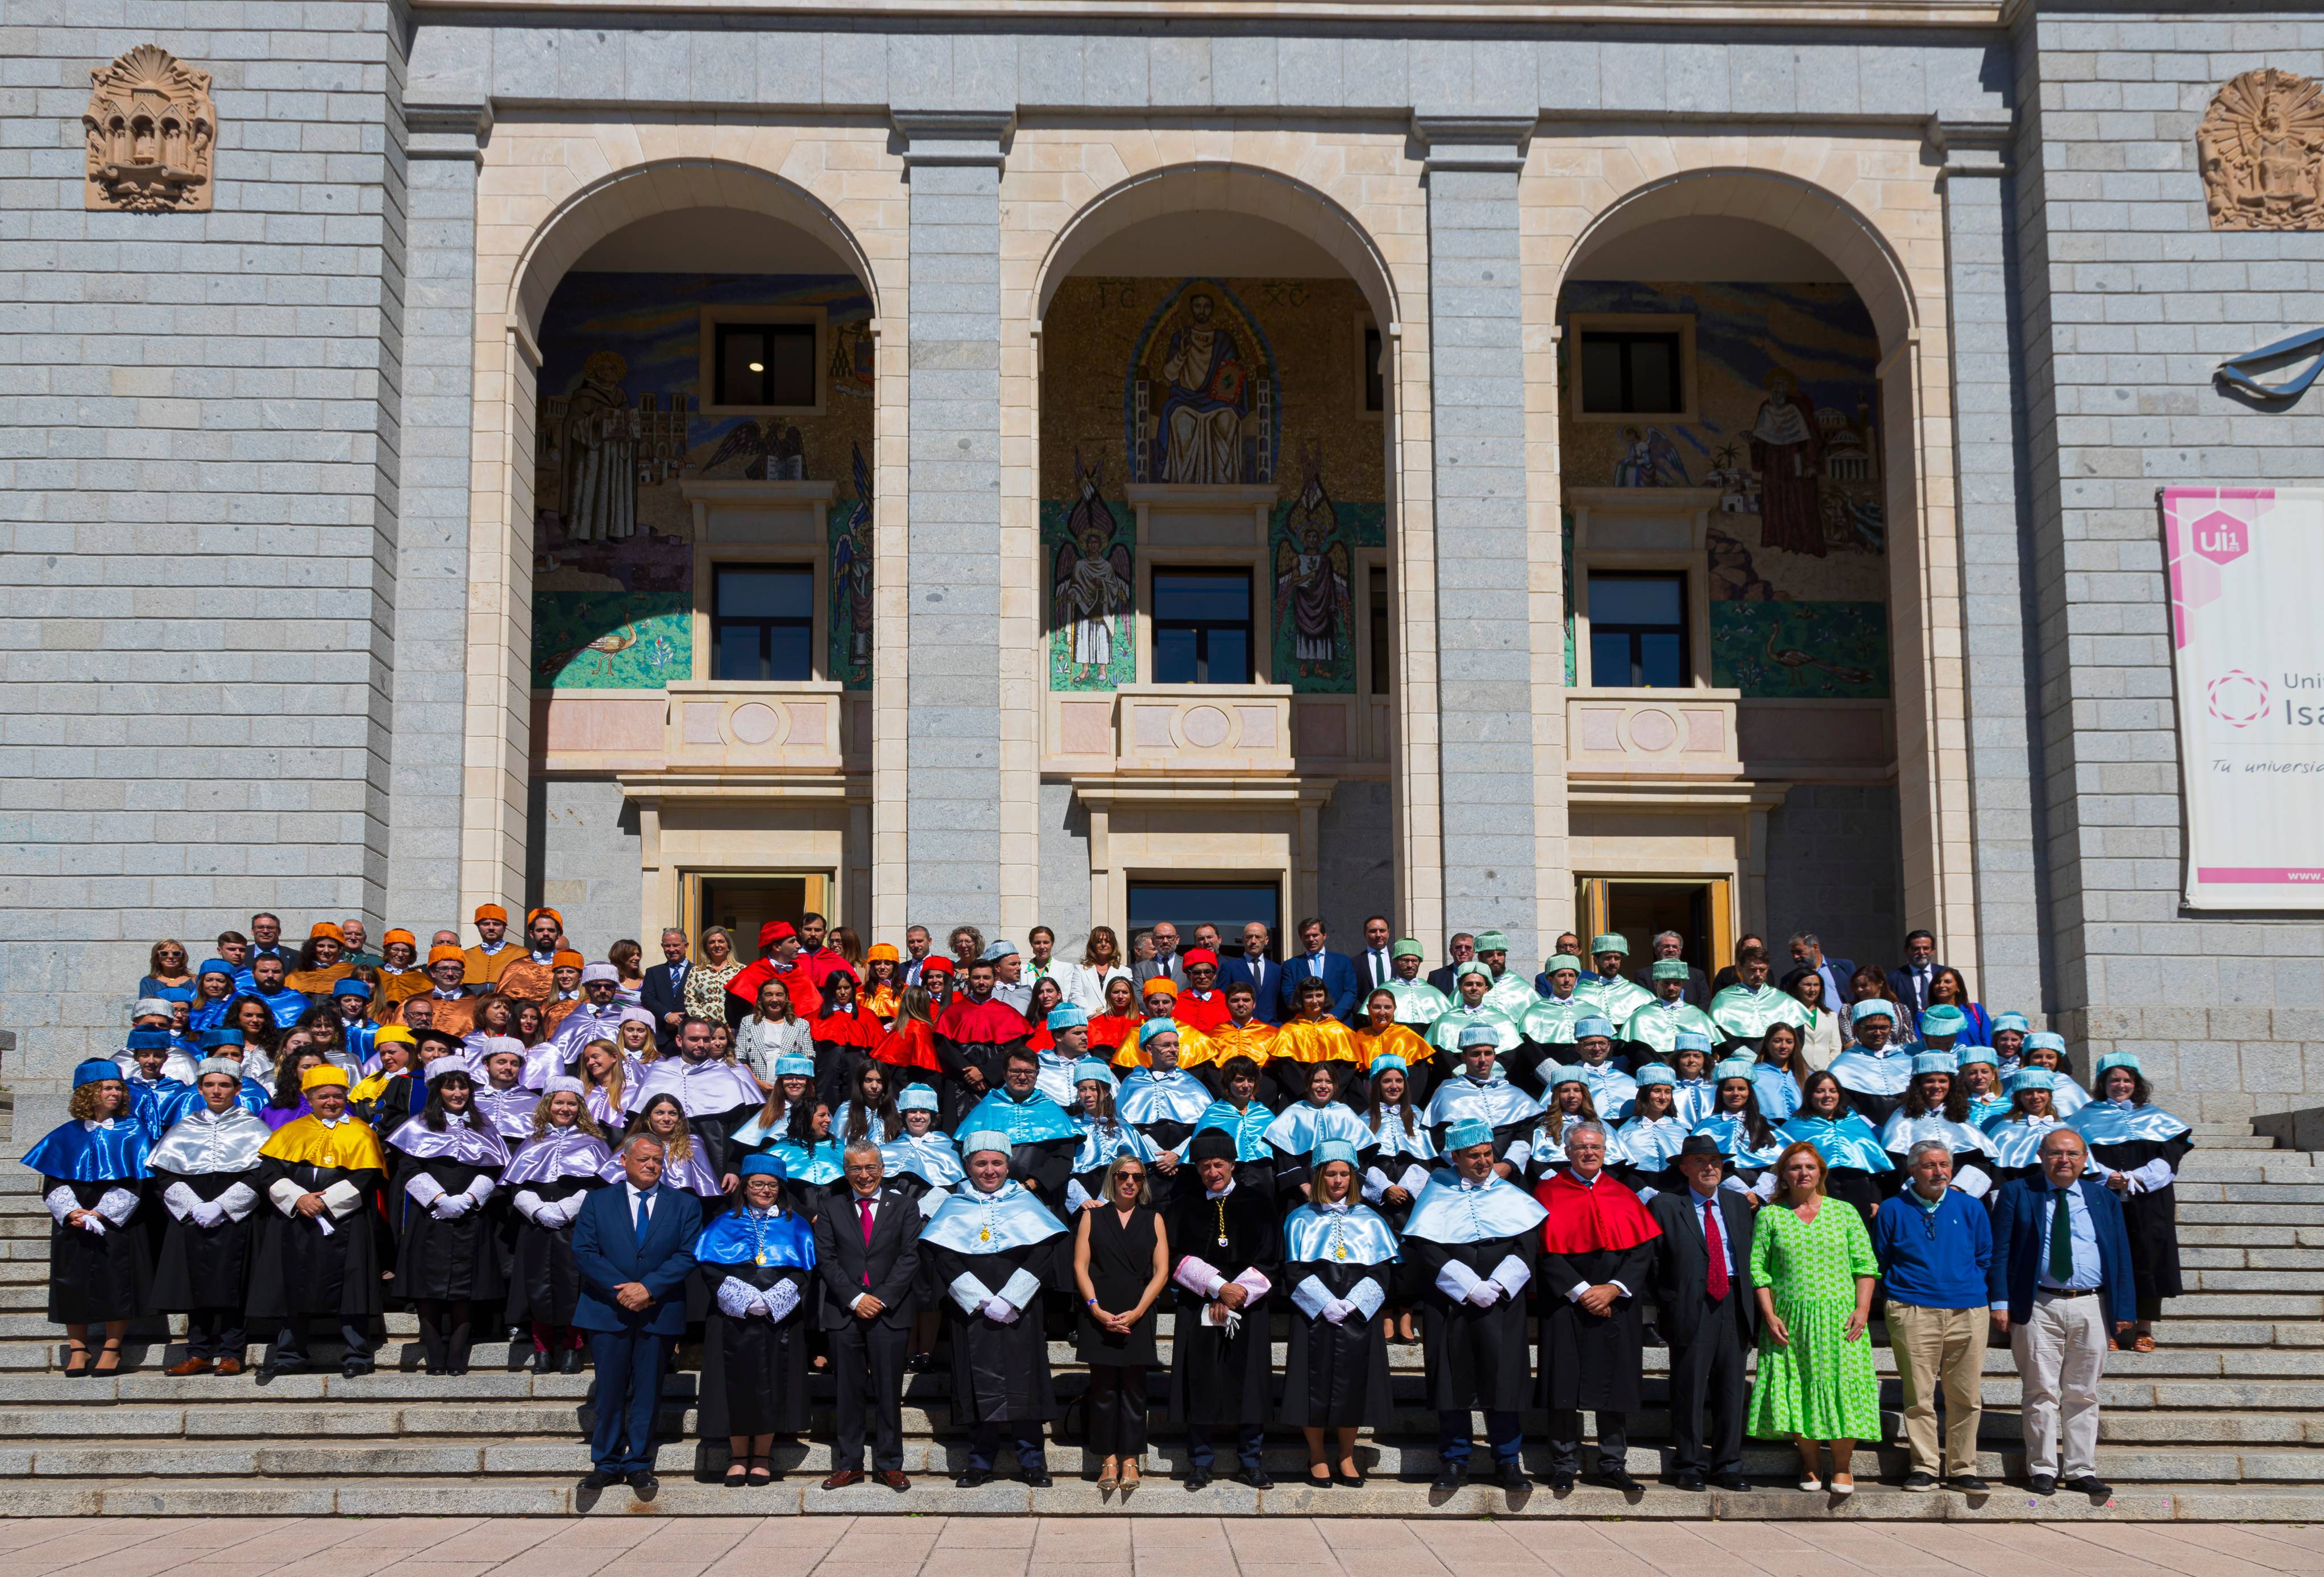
[[633, 1245], [1460, 948], [867, 1251], [2059, 1279], [1253, 967], [664, 992], [1709, 1314], [1671, 945], [1165, 964], [1910, 983], [1807, 953], [1729, 974], [1313, 961], [1374, 965]]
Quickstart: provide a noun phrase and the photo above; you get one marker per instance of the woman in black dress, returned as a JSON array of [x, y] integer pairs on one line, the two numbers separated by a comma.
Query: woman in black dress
[[753, 1260], [1121, 1263], [93, 1176], [549, 1180], [2139, 1146], [1339, 1258], [206, 1170], [447, 1162]]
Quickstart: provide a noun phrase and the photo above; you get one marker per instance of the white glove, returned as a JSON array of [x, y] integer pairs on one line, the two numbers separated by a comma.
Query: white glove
[[758, 1305], [1338, 1309], [93, 1223], [1001, 1310], [207, 1214], [451, 1206], [1485, 1293], [559, 1213]]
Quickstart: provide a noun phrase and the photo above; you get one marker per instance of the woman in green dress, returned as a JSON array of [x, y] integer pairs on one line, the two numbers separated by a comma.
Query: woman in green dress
[[1815, 1270]]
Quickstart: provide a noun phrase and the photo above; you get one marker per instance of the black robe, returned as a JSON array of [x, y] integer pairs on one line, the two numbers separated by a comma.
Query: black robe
[[754, 1369], [544, 1283], [2151, 1219], [1215, 1378], [206, 1268], [1336, 1375], [95, 1277], [1593, 1360], [440, 1259], [1000, 1373], [298, 1270], [1478, 1359]]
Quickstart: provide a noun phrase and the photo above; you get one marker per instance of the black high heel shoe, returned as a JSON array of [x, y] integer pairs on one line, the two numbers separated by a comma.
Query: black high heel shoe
[[78, 1351], [761, 1472], [1354, 1480], [1329, 1478]]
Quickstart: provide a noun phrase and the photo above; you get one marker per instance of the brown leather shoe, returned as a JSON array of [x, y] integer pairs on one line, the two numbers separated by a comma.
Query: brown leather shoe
[[844, 1477], [230, 1365], [193, 1366], [894, 1479]]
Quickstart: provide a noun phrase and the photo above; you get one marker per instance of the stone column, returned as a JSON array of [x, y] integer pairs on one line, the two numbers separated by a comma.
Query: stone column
[[443, 147], [1997, 610], [952, 163], [1485, 616]]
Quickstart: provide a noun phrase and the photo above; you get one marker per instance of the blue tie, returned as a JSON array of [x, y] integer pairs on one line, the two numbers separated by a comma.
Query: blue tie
[[645, 1218]]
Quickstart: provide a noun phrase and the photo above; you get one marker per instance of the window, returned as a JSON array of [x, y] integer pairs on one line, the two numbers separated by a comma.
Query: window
[[762, 622], [765, 364], [1228, 905], [1375, 376], [1378, 593], [1202, 627], [1630, 372], [1638, 631]]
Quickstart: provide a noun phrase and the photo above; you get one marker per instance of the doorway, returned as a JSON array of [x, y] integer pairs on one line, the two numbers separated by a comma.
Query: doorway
[[744, 901], [1695, 907], [1228, 904]]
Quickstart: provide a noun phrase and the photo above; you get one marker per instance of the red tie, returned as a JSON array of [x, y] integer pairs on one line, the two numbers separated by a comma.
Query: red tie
[[863, 1207], [1718, 1282]]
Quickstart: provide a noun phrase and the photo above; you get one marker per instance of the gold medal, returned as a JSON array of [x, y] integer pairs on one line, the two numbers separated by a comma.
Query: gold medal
[[984, 1236]]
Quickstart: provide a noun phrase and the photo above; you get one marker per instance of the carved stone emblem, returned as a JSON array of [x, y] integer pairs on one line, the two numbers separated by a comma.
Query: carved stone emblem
[[2261, 147], [151, 130]]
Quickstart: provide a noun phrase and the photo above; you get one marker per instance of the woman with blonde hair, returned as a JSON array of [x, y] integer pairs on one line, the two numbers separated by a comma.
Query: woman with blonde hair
[[605, 1076], [705, 996], [1084, 982], [1812, 1264], [1121, 1263], [93, 1178]]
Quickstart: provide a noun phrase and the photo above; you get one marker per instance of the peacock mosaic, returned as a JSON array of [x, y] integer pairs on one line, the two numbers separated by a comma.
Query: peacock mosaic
[[1782, 427], [621, 426]]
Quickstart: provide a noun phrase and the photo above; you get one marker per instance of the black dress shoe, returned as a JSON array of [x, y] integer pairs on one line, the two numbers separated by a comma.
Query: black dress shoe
[[1620, 1479], [355, 1367], [1561, 1481], [1450, 1479], [1687, 1479], [918, 1363], [266, 1371], [2042, 1484], [1038, 1479], [1198, 1478], [643, 1484], [1511, 1476], [2091, 1485], [570, 1363], [1917, 1482], [597, 1479], [975, 1478], [1354, 1480], [1968, 1484], [1734, 1481], [542, 1361], [1257, 1478]]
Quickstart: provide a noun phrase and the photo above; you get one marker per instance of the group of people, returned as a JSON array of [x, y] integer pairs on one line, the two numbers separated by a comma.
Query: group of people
[[604, 1158]]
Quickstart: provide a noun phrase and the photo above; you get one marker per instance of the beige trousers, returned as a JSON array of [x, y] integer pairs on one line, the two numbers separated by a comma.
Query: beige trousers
[[1940, 1350], [2061, 1352]]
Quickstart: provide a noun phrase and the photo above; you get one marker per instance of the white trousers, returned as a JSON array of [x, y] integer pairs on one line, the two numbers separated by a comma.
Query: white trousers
[[2061, 1352]]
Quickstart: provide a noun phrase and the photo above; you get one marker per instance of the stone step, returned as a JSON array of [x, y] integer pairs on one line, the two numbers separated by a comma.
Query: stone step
[[2201, 1191], [2269, 1281], [2193, 1258], [2295, 1216], [2248, 1234], [678, 1497]]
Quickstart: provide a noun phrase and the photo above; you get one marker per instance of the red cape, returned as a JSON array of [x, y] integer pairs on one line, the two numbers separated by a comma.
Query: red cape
[[1195, 1013], [805, 999], [819, 964], [984, 1023], [910, 1045], [1110, 1031], [1584, 1217], [856, 1027]]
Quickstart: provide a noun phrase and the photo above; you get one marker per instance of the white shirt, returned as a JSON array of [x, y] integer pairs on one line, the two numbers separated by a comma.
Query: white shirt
[[636, 1194], [1377, 971], [1704, 1205]]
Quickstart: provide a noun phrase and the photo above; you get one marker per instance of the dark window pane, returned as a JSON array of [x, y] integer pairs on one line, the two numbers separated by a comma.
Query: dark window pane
[[1654, 375], [1382, 662], [1174, 657], [1375, 374], [1635, 599], [1230, 662], [1627, 373], [1660, 661], [790, 657], [765, 363], [790, 364], [1228, 905], [1609, 658], [1601, 373], [737, 652], [766, 594], [1202, 596]]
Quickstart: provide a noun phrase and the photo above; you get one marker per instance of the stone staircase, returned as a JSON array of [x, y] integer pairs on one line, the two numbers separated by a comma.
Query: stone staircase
[[2224, 1421]]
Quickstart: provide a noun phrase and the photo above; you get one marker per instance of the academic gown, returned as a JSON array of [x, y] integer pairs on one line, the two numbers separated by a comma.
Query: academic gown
[[96, 1276], [214, 1157], [1593, 1360], [753, 1368], [1000, 1370], [970, 1033], [1216, 1377], [1337, 1375], [1510, 1112], [1165, 1110], [1856, 1168], [1477, 1358], [544, 1280], [1875, 1085], [1043, 1137], [2123, 1140], [459, 1257], [300, 1269]]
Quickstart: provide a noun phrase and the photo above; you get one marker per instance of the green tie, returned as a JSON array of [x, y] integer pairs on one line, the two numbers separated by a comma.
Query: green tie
[[2062, 1242]]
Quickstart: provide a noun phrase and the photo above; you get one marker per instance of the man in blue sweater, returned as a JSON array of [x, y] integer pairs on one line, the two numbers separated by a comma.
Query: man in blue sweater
[[1935, 1249]]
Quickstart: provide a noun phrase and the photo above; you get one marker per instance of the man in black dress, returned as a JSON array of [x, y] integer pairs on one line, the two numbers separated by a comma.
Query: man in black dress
[[867, 1251], [1228, 1240], [1709, 1314]]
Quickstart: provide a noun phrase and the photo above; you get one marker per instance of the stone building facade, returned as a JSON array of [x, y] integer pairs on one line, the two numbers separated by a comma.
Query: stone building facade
[[1018, 463]]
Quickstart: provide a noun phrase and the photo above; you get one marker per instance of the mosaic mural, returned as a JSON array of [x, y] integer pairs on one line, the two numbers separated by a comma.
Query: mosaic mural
[[620, 427], [1207, 381], [850, 657], [1785, 430]]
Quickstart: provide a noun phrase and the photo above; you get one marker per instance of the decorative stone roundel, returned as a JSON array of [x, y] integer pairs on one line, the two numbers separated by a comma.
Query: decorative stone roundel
[[150, 129], [2261, 150], [1654, 732], [1204, 728], [755, 722]]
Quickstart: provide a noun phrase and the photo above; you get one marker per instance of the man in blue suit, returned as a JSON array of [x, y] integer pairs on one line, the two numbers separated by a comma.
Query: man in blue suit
[[1909, 983], [2058, 1279], [664, 992], [634, 1248], [1332, 969], [1253, 967]]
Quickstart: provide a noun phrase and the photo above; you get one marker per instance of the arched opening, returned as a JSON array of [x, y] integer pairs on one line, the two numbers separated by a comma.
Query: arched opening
[[693, 378], [1736, 466], [1217, 394]]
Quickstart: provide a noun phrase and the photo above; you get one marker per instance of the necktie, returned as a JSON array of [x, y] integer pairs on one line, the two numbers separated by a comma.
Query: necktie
[[863, 1208], [2062, 1241], [1716, 1245], [645, 1217]]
